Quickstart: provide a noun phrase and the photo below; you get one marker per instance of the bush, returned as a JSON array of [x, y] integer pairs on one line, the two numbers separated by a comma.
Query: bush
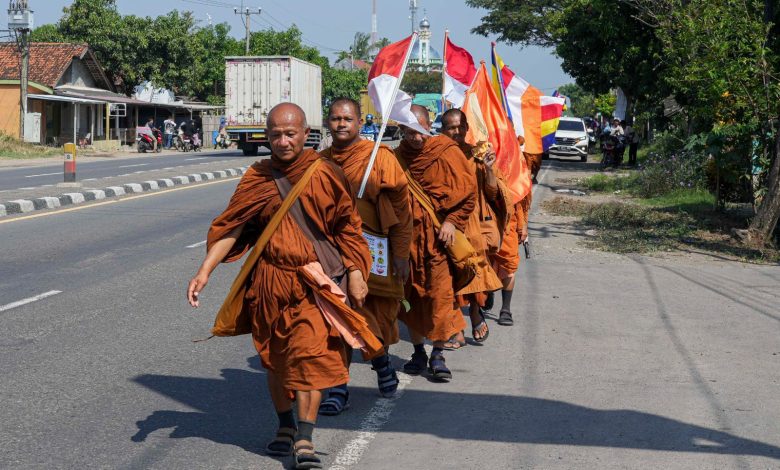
[[663, 173]]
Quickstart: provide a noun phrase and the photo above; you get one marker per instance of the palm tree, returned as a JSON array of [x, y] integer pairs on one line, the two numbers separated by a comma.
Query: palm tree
[[362, 49]]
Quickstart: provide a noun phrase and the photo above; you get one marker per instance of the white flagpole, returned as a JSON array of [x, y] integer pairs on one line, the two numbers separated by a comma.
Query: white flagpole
[[385, 119]]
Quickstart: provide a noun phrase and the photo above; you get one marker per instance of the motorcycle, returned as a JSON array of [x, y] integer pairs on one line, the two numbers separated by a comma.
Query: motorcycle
[[197, 144], [144, 140], [222, 141], [612, 151]]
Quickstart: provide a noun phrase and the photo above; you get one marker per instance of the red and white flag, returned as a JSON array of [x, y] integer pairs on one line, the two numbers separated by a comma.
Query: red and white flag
[[384, 80], [459, 72]]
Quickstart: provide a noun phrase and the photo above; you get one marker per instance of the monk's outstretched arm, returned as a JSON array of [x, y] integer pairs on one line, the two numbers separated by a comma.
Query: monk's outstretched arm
[[215, 255]]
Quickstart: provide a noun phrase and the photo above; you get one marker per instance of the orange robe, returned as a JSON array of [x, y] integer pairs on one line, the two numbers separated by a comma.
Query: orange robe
[[291, 335], [534, 161], [486, 279], [388, 191], [443, 172]]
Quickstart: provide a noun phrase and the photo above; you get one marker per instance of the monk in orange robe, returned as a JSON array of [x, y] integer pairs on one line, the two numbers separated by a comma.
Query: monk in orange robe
[[302, 351], [441, 169], [485, 224], [386, 201]]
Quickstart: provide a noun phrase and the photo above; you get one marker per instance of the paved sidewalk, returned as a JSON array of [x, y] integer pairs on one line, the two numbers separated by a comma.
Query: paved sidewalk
[[96, 157]]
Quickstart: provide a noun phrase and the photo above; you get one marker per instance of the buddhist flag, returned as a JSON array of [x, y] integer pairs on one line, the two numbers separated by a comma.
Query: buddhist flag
[[459, 72], [384, 80], [489, 123], [534, 116]]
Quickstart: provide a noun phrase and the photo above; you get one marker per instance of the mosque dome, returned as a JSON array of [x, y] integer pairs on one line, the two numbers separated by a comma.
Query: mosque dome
[[425, 24]]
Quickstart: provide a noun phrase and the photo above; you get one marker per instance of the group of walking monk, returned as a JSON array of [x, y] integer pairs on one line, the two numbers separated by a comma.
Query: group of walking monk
[[432, 235]]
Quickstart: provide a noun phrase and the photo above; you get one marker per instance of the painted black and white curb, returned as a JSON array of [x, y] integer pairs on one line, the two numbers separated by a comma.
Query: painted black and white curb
[[21, 206]]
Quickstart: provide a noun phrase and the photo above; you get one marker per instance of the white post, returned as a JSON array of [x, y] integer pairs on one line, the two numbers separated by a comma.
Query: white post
[[75, 122], [385, 119]]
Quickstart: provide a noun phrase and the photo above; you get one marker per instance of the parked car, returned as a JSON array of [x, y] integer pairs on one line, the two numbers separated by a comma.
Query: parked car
[[436, 125], [571, 139]]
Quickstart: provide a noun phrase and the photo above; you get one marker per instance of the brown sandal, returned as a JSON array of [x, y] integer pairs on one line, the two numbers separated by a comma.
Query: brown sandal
[[305, 457]]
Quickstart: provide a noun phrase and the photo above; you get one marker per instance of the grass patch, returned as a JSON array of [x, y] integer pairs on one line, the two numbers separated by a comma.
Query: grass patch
[[606, 183], [12, 148], [684, 219]]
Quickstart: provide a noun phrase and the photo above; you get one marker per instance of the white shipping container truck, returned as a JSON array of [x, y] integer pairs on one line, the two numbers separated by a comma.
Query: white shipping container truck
[[254, 85]]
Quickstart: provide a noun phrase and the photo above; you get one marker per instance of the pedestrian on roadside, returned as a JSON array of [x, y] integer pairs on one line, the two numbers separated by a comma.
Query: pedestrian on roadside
[[632, 137], [169, 127]]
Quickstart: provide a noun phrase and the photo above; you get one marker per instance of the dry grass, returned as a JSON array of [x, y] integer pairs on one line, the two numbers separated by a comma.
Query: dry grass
[[12, 148]]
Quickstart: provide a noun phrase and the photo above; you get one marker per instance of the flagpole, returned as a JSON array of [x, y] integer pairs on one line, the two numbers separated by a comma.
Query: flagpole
[[386, 118], [444, 70]]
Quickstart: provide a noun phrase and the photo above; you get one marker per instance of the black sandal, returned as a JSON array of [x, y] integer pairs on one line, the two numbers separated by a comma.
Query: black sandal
[[505, 318], [336, 403], [282, 445], [438, 369], [417, 365], [305, 457], [387, 379]]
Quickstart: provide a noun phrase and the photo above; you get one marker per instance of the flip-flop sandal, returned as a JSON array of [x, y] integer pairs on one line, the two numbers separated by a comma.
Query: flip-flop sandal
[[477, 327], [387, 379], [282, 445], [438, 369], [453, 344], [417, 364], [505, 318], [336, 403], [305, 457]]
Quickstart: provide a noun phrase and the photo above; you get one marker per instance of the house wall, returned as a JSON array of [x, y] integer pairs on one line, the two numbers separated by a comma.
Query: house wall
[[9, 108], [77, 74]]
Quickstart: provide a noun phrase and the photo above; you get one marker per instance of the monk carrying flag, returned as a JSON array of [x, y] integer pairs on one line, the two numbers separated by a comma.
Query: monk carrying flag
[[387, 223], [298, 212]]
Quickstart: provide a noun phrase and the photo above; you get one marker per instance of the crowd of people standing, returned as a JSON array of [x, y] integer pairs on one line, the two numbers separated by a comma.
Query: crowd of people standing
[[335, 261]]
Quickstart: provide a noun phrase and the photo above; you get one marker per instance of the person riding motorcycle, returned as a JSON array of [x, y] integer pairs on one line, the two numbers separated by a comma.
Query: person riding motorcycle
[[370, 128]]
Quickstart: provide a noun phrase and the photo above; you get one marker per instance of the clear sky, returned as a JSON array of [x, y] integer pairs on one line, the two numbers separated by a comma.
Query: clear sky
[[331, 24]]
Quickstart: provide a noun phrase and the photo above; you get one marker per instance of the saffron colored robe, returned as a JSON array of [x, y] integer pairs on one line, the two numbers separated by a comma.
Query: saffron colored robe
[[443, 172], [290, 333], [388, 192]]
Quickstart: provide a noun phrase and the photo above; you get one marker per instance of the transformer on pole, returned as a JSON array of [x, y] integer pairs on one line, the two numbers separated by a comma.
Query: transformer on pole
[[20, 23]]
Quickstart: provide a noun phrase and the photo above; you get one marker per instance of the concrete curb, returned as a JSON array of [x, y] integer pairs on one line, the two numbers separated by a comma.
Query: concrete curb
[[22, 206]]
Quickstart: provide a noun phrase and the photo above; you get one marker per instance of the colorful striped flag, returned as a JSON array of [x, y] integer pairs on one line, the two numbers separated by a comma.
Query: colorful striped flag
[[535, 116]]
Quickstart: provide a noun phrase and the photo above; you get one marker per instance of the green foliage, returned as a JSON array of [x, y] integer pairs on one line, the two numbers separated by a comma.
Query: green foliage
[[583, 103], [342, 83], [415, 82], [604, 183], [46, 33], [361, 47]]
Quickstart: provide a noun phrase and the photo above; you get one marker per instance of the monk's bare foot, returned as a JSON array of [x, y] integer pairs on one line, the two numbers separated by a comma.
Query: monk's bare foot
[[479, 327]]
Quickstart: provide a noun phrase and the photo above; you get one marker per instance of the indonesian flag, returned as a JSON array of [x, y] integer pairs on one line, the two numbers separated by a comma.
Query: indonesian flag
[[535, 117], [459, 72], [488, 123], [384, 80]]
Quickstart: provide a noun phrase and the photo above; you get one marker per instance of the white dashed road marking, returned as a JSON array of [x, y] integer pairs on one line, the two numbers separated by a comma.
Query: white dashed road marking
[[133, 166], [29, 300], [43, 174], [195, 245]]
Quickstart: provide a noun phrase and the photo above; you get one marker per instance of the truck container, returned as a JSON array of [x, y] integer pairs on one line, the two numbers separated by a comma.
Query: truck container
[[255, 84]]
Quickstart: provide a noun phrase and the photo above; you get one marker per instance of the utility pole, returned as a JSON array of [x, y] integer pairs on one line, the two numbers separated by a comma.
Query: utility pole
[[247, 14], [20, 22]]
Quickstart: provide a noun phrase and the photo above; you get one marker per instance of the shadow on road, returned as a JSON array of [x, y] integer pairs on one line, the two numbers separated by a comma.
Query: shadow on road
[[235, 410]]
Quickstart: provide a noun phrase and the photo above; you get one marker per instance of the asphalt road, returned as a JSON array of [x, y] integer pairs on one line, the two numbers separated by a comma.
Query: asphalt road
[[614, 362], [15, 178]]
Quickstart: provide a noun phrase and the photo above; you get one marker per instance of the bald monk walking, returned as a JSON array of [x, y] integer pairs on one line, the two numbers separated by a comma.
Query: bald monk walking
[[301, 350], [485, 224], [441, 169], [386, 213]]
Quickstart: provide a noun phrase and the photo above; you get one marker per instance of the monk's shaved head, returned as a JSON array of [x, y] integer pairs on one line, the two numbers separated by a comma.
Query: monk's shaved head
[[287, 131], [287, 113], [422, 115]]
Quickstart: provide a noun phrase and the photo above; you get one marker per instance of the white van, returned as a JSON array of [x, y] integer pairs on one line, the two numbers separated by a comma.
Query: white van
[[571, 139]]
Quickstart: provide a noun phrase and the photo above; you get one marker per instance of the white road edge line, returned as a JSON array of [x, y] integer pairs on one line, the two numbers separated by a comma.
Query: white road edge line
[[43, 174], [195, 245], [29, 300], [193, 159], [133, 166], [377, 417]]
